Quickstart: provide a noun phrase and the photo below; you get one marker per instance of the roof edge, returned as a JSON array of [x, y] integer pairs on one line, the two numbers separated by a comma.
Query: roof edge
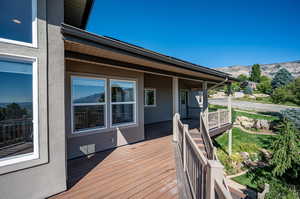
[[86, 14], [107, 41]]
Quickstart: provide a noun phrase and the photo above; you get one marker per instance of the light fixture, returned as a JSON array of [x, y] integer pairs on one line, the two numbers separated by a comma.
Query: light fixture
[[17, 21]]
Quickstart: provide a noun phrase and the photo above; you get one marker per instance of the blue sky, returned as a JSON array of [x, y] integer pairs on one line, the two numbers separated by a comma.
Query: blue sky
[[15, 82], [211, 33], [16, 21]]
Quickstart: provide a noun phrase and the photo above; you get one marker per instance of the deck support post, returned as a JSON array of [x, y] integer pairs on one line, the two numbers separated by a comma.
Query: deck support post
[[175, 94], [229, 121], [205, 102]]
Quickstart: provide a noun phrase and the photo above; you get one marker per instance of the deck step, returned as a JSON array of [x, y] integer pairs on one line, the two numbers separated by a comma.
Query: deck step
[[197, 137]]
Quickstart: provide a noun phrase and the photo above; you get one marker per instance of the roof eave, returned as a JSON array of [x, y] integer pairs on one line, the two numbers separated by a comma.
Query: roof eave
[[68, 30]]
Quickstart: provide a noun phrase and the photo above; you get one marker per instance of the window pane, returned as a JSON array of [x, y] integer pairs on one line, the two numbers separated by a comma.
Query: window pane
[[16, 20], [88, 90], [150, 97], [16, 129], [86, 117], [122, 91], [122, 113]]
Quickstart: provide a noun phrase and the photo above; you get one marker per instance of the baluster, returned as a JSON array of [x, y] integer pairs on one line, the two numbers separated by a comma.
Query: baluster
[[219, 118]]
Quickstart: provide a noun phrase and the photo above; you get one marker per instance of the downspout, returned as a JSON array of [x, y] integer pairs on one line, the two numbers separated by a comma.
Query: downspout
[[219, 84]]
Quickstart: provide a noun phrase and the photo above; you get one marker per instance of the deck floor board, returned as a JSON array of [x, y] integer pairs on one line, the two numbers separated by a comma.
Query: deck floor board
[[142, 170]]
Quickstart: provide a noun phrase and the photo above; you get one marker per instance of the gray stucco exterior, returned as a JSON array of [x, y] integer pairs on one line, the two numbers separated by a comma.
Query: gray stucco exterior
[[45, 176], [164, 101], [89, 142]]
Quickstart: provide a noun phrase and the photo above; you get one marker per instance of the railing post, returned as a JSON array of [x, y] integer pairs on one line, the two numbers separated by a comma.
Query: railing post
[[185, 131], [205, 102], [219, 118], [176, 118], [229, 121], [214, 172]]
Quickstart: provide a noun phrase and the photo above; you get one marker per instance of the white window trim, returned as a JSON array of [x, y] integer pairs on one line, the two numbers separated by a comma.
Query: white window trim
[[88, 104], [132, 102], [35, 120], [34, 30], [145, 97]]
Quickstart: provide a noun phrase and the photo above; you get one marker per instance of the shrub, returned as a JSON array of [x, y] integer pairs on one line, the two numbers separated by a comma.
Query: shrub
[[279, 95], [286, 151], [265, 86], [281, 78], [279, 190], [242, 77], [248, 147], [232, 164], [292, 115], [248, 90]]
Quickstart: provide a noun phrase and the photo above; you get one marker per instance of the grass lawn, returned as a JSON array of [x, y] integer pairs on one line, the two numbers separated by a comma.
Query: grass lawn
[[242, 141], [213, 107], [257, 116], [245, 180]]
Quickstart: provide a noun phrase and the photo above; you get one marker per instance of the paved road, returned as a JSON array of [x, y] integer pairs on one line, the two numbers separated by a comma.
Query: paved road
[[250, 105]]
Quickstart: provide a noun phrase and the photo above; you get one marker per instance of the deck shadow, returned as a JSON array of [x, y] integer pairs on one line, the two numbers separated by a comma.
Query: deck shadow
[[81, 166]]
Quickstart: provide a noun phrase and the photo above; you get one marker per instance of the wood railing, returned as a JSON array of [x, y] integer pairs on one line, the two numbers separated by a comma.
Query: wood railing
[[218, 118], [204, 175], [15, 131], [206, 138], [221, 190]]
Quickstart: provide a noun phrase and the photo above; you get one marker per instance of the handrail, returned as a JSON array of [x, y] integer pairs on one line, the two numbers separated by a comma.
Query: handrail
[[205, 177], [207, 140], [221, 191], [218, 118]]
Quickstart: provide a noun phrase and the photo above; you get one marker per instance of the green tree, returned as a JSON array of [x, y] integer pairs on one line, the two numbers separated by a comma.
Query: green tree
[[265, 85], [281, 78], [14, 111], [296, 90], [255, 73], [235, 87], [242, 77], [286, 150]]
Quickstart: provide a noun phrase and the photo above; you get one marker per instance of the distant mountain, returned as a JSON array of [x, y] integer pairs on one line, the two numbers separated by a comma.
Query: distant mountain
[[267, 69], [91, 98]]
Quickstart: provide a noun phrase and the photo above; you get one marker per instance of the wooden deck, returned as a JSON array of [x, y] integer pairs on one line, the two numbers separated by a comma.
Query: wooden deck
[[142, 170]]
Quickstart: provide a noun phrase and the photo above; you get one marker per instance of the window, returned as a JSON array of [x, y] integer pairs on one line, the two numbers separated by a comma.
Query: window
[[123, 102], [18, 110], [88, 103], [18, 22], [150, 97]]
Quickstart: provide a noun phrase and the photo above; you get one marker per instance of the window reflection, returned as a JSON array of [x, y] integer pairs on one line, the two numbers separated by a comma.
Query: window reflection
[[122, 113], [16, 128], [122, 91]]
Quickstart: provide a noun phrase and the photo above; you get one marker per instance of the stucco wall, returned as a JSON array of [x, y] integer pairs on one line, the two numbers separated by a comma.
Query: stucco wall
[[193, 108], [45, 176], [98, 140], [164, 101]]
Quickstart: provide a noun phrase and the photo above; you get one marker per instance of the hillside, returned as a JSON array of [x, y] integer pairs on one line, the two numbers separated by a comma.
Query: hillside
[[267, 69]]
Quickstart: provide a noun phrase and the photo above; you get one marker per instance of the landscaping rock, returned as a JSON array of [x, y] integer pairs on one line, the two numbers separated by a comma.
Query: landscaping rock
[[257, 124], [264, 124], [267, 155], [245, 155], [249, 123]]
